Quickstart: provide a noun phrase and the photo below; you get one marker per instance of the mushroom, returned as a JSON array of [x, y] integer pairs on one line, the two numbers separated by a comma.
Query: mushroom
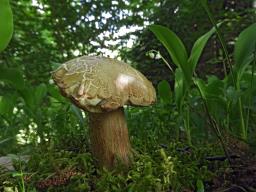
[[102, 86]]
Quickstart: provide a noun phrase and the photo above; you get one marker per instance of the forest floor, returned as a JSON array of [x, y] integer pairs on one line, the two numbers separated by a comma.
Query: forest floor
[[240, 176], [61, 170]]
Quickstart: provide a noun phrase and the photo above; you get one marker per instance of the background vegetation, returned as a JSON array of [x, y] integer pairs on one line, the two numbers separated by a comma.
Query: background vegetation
[[202, 113]]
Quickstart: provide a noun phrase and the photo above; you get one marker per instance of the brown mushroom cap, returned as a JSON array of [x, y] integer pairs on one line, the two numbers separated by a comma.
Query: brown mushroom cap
[[98, 84]]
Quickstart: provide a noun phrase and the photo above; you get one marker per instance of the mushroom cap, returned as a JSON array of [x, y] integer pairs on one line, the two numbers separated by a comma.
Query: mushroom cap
[[99, 84]]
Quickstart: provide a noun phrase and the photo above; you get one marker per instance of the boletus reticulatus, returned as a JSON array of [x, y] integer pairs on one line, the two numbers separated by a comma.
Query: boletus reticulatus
[[102, 86]]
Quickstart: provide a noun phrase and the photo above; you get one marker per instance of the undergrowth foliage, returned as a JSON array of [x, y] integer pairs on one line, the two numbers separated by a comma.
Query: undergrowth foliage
[[222, 100], [175, 167]]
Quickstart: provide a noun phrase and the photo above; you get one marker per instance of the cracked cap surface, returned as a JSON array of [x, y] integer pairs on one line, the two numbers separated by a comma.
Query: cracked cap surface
[[99, 84]]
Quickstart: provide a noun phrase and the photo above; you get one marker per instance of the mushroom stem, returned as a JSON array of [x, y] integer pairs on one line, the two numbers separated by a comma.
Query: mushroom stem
[[109, 138]]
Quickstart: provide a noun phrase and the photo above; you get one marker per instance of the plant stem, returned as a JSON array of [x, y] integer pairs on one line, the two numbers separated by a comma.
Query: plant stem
[[222, 42], [242, 124], [228, 116], [215, 127], [164, 60], [187, 127], [224, 47], [22, 179]]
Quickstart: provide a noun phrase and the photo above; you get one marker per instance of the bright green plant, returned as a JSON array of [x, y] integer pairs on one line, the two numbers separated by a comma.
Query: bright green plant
[[186, 66], [12, 76], [243, 56], [199, 186], [164, 91], [204, 4], [6, 24], [212, 94], [20, 175]]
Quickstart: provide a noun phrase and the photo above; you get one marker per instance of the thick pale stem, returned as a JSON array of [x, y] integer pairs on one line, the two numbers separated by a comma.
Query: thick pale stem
[[109, 138]]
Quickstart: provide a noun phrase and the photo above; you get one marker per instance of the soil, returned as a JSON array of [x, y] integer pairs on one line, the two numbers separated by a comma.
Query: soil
[[240, 176]]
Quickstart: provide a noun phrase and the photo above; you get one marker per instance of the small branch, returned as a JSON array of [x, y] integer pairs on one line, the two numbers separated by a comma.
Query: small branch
[[221, 158]]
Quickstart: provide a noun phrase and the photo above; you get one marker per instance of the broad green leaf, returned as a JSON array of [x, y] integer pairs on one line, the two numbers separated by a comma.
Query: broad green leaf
[[245, 47], [55, 93], [6, 24], [198, 47], [213, 95], [78, 114], [28, 96], [12, 76], [213, 90], [232, 94], [174, 46], [33, 96], [7, 103], [164, 91], [179, 88], [39, 94], [201, 86]]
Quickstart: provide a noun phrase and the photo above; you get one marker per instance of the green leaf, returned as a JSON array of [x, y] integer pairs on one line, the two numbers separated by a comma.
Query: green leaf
[[199, 186], [39, 94], [78, 114], [28, 96], [204, 3], [201, 86], [6, 24], [55, 93], [33, 96], [174, 46], [198, 48], [232, 94], [12, 76], [213, 95], [17, 174], [164, 91], [244, 49], [7, 103], [179, 88], [213, 90]]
